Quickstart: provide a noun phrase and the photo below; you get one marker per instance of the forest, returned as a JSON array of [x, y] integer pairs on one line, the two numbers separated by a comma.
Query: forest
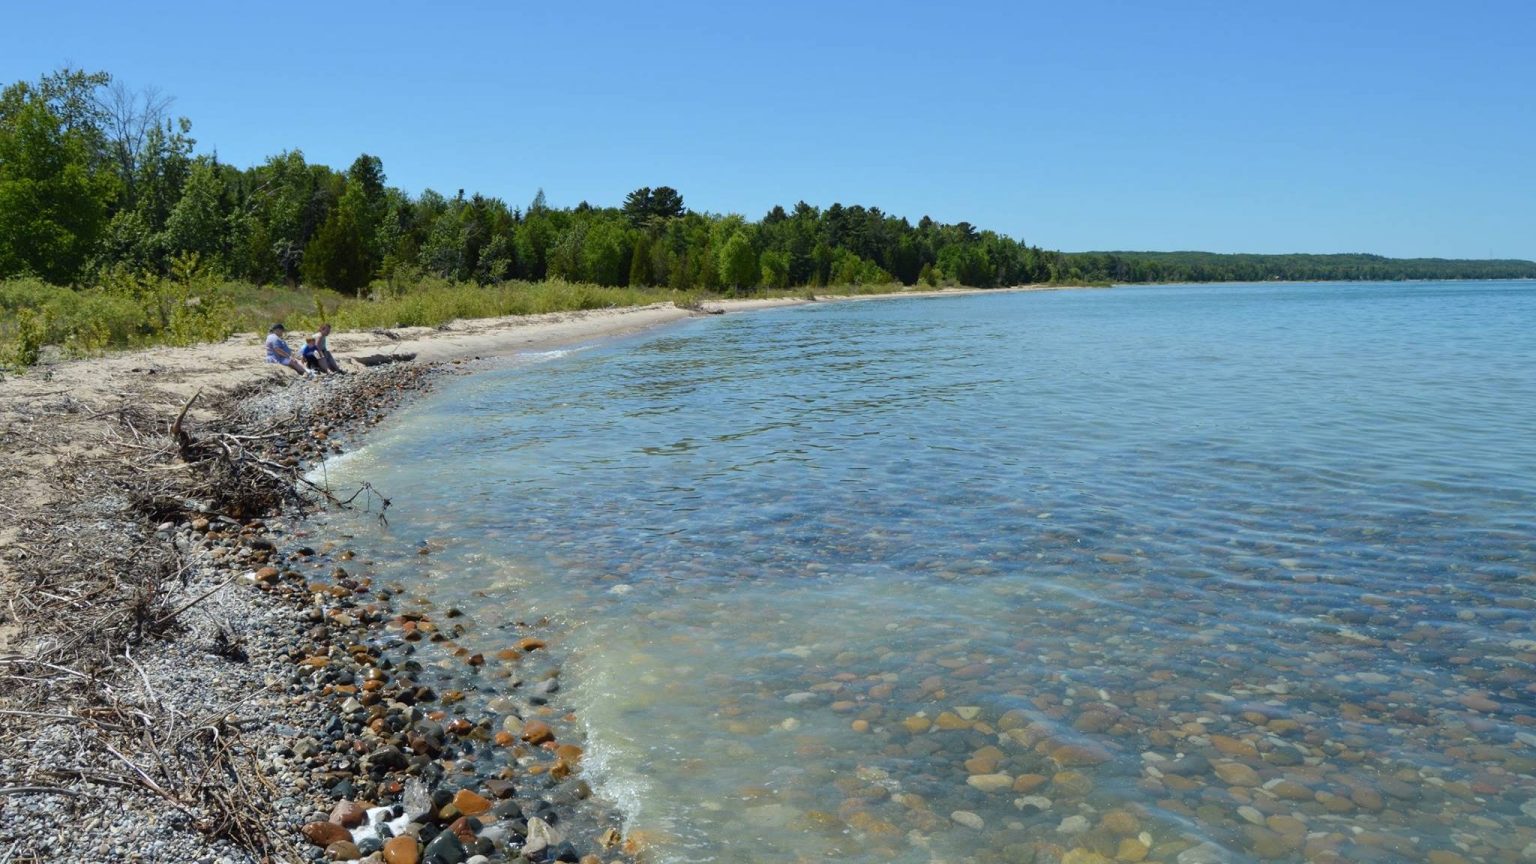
[[115, 230]]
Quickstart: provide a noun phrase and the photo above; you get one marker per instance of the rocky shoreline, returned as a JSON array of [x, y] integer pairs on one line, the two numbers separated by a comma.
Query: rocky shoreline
[[277, 704]]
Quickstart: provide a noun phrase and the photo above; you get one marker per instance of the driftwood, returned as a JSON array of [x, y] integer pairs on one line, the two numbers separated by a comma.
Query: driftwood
[[382, 359]]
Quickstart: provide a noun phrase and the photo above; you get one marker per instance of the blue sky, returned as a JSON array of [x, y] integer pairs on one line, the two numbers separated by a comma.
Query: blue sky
[[1403, 128]]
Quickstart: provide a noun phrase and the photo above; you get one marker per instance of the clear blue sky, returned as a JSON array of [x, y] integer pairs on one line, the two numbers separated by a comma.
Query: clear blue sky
[[1403, 128]]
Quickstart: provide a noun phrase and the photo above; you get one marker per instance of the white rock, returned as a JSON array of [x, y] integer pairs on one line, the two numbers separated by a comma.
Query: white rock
[[990, 782], [541, 836], [968, 712], [968, 819], [1205, 853], [1073, 825], [1039, 802]]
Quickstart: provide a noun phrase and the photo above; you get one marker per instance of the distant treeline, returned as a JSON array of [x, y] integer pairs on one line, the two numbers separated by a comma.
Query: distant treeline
[[1212, 267], [98, 181]]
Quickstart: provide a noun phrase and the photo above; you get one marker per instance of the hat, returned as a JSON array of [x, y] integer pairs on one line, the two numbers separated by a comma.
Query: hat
[[276, 327]]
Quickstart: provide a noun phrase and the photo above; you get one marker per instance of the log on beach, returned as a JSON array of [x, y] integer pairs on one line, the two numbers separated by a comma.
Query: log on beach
[[382, 359]]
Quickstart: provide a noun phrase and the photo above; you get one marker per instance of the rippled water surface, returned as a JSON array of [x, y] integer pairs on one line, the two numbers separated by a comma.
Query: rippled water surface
[[1210, 573]]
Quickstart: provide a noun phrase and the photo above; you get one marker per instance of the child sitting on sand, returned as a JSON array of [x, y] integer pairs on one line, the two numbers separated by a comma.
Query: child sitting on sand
[[311, 355]]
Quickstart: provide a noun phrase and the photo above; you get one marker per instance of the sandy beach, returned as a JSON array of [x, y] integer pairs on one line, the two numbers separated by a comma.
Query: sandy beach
[[171, 664]]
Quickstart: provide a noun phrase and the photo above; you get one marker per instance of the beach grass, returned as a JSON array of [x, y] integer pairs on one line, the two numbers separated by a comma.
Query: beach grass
[[126, 311]]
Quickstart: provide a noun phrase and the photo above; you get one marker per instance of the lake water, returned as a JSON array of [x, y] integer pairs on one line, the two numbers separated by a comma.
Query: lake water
[[1187, 573]]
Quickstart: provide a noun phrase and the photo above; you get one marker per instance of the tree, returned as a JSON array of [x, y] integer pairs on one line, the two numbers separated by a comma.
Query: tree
[[196, 223], [738, 262], [337, 257], [129, 117], [776, 269], [53, 206], [640, 269], [646, 205]]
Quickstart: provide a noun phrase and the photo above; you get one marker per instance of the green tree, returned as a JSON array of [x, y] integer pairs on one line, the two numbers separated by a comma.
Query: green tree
[[776, 269], [196, 223], [53, 205], [738, 262], [646, 205], [641, 270], [337, 257]]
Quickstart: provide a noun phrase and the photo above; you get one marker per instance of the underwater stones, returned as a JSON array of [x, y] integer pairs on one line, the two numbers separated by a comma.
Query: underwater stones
[[1236, 774], [968, 818], [950, 721], [1071, 784], [537, 732], [984, 761], [990, 782], [1093, 720], [1119, 822], [1229, 746], [1288, 790], [1077, 755], [1478, 702], [916, 724], [1075, 824], [1132, 849], [1027, 783]]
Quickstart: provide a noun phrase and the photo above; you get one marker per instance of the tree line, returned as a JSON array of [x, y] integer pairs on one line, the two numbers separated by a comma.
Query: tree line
[[96, 178], [1213, 267]]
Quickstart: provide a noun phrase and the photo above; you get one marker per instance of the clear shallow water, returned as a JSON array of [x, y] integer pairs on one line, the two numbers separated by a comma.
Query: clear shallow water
[[978, 578]]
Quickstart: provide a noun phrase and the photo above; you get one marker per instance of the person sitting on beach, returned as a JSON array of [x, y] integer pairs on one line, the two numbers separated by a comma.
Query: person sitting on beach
[[278, 351], [310, 355], [323, 351]]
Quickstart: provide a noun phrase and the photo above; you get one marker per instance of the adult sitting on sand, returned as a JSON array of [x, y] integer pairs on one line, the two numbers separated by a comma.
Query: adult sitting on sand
[[279, 352], [323, 351]]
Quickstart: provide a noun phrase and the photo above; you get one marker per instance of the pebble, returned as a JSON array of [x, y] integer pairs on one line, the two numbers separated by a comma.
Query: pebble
[[968, 819]]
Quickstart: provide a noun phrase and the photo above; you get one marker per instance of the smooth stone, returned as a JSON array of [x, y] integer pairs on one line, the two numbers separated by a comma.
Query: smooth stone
[[1205, 853], [470, 804], [343, 850], [1075, 824], [968, 819], [323, 834], [1228, 746], [537, 732], [1237, 774], [1033, 803], [1120, 823], [1083, 856], [950, 721], [1132, 849], [990, 782], [402, 850], [348, 814], [445, 848], [541, 836]]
